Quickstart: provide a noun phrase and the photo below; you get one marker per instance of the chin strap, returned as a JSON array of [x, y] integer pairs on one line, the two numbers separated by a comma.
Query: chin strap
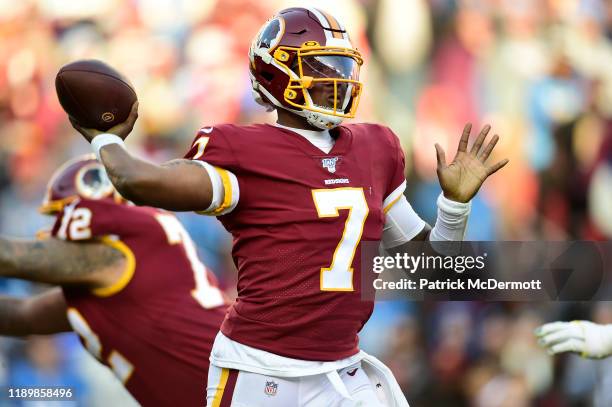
[[321, 120], [257, 95]]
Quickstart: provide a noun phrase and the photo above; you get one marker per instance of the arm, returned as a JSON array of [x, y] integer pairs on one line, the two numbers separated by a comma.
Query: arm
[[42, 314], [55, 261], [423, 235], [178, 185], [460, 181]]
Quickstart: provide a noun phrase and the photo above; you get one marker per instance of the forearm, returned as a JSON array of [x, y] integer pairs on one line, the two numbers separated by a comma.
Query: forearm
[[41, 314], [124, 170], [403, 225], [54, 261], [12, 317], [179, 185]]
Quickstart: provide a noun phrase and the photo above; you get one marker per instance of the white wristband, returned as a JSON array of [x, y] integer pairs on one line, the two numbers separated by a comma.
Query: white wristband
[[105, 139], [452, 220]]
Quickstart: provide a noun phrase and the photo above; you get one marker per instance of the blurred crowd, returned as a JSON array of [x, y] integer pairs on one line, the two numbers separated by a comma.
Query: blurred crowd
[[538, 71]]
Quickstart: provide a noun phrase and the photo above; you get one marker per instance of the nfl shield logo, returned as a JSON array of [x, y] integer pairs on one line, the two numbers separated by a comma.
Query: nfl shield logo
[[271, 388], [330, 164]]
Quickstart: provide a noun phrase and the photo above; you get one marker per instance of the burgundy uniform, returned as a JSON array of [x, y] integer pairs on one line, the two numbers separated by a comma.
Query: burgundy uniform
[[155, 327], [297, 227]]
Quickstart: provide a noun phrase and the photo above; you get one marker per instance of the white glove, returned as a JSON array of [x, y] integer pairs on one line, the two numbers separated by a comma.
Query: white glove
[[584, 337]]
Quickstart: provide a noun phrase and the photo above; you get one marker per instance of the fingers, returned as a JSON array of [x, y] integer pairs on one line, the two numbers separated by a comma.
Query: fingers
[[572, 345], [73, 123], [496, 167], [77, 126], [481, 137], [475, 150], [558, 337], [463, 143], [484, 154], [440, 156], [134, 111], [133, 116], [550, 328], [124, 129]]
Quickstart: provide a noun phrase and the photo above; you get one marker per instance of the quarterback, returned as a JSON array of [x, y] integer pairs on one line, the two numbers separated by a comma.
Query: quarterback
[[132, 287], [299, 197]]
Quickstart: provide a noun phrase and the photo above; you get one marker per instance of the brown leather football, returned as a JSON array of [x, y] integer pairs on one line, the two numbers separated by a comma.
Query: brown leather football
[[94, 94]]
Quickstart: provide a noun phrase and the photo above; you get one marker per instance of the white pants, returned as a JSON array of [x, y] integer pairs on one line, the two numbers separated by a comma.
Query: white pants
[[229, 387]]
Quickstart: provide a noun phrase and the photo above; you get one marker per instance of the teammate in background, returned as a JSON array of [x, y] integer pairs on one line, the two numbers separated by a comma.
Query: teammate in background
[[133, 288], [299, 197], [586, 338]]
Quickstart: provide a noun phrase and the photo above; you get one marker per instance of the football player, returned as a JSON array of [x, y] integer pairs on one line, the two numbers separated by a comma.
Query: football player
[[132, 287], [589, 340], [299, 197]]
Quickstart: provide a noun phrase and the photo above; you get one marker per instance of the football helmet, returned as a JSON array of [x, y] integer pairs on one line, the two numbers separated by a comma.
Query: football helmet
[[302, 60], [80, 177]]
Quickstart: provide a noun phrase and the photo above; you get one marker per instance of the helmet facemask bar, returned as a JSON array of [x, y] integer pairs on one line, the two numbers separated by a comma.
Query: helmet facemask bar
[[333, 66], [50, 207]]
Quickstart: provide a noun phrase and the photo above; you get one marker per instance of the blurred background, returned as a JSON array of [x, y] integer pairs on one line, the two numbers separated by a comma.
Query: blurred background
[[538, 70]]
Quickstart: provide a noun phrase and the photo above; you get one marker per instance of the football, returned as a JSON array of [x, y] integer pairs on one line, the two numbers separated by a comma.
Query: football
[[94, 94]]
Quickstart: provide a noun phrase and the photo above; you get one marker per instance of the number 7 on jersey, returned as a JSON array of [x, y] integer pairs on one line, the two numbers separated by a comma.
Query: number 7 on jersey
[[339, 275]]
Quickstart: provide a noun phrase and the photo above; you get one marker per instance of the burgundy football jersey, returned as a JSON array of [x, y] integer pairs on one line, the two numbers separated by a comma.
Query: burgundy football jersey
[[297, 230], [155, 327]]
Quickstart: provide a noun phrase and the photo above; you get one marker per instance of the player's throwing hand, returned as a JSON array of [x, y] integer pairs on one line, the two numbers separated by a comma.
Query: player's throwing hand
[[586, 338], [462, 179], [122, 129]]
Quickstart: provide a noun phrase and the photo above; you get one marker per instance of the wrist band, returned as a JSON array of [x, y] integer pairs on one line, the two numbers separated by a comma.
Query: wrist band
[[452, 220], [453, 207], [105, 139]]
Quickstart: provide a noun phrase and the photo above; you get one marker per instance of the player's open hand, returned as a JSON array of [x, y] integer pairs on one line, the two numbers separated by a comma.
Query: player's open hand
[[462, 179], [122, 129]]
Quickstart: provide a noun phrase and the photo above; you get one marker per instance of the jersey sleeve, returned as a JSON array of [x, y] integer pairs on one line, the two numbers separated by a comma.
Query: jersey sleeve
[[212, 146], [397, 178], [213, 152], [86, 220], [402, 224]]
